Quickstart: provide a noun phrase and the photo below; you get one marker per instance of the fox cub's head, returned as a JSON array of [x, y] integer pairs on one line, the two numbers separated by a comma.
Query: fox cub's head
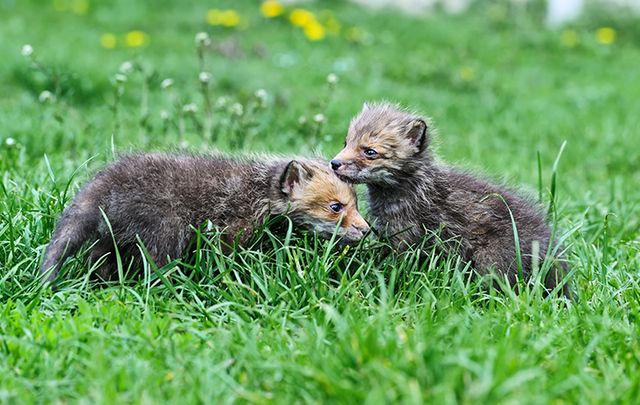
[[318, 200], [384, 144]]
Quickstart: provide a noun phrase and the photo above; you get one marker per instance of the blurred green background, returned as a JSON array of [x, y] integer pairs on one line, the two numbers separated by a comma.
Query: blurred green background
[[100, 78]]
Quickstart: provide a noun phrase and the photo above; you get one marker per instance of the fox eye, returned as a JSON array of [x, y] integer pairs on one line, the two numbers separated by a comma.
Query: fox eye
[[370, 153], [336, 207]]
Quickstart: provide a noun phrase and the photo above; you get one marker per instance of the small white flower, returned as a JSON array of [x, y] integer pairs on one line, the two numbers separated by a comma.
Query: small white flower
[[237, 109], [332, 79], [27, 50], [164, 115], [319, 118], [120, 78], [221, 102], [261, 95], [204, 77], [302, 120], [166, 83], [190, 108], [10, 142], [126, 68], [202, 39], [45, 96]]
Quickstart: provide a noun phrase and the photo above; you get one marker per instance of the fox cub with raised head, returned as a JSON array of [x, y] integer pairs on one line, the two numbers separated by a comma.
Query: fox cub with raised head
[[159, 198], [412, 195]]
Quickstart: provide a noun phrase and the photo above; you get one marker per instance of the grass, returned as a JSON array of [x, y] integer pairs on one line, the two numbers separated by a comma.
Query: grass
[[305, 322]]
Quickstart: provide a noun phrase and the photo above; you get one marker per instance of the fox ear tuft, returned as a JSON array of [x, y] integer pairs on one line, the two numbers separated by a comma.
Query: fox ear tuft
[[294, 174], [418, 133]]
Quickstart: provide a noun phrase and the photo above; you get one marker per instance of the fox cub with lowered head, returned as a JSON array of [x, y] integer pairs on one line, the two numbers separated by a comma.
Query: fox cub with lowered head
[[159, 198], [412, 195]]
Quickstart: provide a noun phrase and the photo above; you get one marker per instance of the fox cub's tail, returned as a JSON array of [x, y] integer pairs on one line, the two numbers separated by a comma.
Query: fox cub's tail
[[78, 224]]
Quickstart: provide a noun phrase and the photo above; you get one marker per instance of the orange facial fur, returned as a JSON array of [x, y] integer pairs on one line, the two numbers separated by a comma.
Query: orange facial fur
[[314, 194]]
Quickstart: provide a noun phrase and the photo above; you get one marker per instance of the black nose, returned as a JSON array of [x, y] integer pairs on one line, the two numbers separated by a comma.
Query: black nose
[[335, 164]]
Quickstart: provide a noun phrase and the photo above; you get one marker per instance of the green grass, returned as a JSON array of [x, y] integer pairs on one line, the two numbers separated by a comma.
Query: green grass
[[305, 322]]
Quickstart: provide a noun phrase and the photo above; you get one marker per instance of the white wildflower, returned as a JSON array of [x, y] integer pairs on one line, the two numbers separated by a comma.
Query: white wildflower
[[46, 96], [221, 102], [166, 83], [190, 108], [261, 94], [120, 78], [10, 142], [164, 115], [27, 50], [319, 118], [204, 77], [237, 109], [302, 120], [332, 79], [126, 67], [202, 39]]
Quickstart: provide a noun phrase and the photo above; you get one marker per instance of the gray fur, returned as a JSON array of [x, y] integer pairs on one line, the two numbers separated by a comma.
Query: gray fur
[[411, 195]]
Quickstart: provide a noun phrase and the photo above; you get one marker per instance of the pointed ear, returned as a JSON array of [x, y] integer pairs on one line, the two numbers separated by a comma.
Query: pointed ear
[[418, 133], [293, 175]]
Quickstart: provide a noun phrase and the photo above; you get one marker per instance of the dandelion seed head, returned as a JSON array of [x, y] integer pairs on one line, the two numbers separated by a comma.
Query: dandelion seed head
[[166, 83], [46, 96], [332, 79], [261, 95], [126, 67], [237, 109], [204, 77], [190, 108], [10, 142], [319, 118], [221, 102], [27, 50], [203, 39]]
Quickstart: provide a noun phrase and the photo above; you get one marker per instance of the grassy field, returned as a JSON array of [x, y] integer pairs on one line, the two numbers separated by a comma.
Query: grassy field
[[305, 322]]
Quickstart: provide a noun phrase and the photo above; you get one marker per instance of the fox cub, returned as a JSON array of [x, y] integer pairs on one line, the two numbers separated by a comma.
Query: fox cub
[[160, 197], [411, 195]]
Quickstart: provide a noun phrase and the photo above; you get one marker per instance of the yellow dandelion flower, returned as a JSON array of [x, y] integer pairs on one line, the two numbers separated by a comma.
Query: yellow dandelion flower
[[606, 35], [230, 18], [80, 7], [271, 8], [60, 5], [134, 39], [301, 17], [226, 18], [214, 16], [108, 40], [314, 31], [569, 38], [466, 73]]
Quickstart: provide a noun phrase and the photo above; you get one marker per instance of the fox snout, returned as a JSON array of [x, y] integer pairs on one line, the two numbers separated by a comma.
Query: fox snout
[[356, 232], [344, 165]]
